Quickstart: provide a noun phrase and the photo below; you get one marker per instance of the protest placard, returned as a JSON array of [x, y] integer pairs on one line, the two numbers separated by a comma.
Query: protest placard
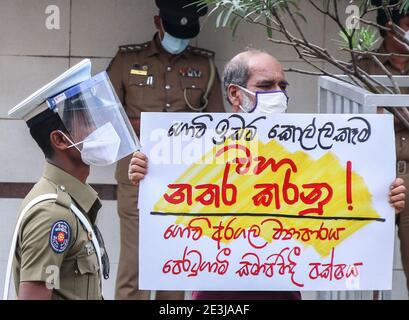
[[267, 202]]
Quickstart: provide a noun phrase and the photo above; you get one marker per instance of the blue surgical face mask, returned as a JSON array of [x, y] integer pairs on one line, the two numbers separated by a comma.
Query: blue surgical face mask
[[174, 45]]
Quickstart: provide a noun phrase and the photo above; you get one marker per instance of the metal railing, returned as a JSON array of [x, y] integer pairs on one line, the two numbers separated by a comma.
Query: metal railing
[[337, 96]]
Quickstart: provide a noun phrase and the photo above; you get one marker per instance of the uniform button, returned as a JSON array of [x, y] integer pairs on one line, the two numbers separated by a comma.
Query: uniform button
[[193, 86], [167, 87], [141, 84], [403, 138], [168, 105], [168, 69], [62, 188]]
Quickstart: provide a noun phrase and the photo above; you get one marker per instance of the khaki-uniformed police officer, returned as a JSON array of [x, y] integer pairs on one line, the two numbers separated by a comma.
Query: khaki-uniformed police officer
[[397, 65], [57, 250], [162, 75], [50, 235]]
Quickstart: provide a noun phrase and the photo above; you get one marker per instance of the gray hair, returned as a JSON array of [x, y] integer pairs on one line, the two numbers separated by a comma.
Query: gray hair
[[237, 71]]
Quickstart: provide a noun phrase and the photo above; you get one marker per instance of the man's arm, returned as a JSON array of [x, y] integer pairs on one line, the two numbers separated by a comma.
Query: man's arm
[[39, 250], [397, 195], [34, 291], [138, 167]]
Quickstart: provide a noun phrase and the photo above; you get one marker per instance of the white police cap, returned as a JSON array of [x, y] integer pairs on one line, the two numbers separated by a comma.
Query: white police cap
[[35, 103]]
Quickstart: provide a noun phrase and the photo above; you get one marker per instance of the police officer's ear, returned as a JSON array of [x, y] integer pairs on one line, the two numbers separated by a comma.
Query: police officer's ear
[[59, 141], [234, 98], [158, 23]]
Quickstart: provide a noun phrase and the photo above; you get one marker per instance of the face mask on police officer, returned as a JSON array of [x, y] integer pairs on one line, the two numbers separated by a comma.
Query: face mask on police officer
[[266, 101], [174, 45], [100, 148]]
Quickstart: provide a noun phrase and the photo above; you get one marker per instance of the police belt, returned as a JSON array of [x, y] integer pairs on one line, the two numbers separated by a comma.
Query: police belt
[[85, 223]]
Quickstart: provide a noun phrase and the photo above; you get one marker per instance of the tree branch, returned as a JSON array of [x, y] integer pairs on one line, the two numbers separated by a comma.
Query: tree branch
[[378, 54], [255, 10], [311, 73], [387, 72]]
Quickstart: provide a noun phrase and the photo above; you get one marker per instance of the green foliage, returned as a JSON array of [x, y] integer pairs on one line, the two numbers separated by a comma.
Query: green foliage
[[362, 39], [405, 6], [230, 13]]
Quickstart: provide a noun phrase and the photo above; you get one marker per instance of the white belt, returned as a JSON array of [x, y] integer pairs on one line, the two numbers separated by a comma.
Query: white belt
[[77, 212]]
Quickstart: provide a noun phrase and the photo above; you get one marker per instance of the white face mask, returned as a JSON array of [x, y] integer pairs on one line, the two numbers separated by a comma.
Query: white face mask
[[174, 45], [101, 147], [266, 101]]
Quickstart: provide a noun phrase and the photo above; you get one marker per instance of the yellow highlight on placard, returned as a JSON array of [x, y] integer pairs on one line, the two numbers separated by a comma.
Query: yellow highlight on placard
[[275, 193]]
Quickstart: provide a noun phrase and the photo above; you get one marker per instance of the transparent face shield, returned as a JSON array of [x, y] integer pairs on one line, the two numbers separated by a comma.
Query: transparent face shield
[[96, 121]]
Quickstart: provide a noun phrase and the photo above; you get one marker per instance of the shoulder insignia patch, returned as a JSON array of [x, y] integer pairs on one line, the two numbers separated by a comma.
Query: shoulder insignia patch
[[60, 236], [133, 47], [202, 52]]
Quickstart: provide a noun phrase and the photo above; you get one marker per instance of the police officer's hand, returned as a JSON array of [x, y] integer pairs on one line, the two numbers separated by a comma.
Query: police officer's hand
[[397, 195], [138, 167]]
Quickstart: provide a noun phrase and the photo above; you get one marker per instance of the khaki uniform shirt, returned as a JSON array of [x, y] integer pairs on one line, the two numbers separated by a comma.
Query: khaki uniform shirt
[[401, 133], [145, 80], [52, 240]]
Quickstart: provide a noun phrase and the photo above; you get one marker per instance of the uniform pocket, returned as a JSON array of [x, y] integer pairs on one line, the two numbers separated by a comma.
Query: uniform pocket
[[87, 264], [135, 92], [138, 80], [193, 91], [87, 277], [140, 88]]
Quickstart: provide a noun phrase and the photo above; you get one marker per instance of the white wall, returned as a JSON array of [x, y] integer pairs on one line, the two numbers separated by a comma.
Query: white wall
[[31, 55]]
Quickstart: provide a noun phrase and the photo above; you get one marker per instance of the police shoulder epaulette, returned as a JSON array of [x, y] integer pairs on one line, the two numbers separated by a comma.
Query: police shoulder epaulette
[[200, 51], [133, 47], [63, 198]]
